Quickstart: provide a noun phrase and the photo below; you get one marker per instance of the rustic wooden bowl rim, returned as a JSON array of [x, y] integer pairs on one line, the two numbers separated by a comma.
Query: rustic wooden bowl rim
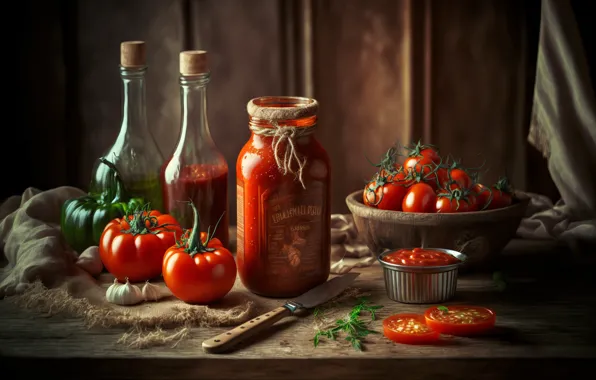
[[516, 210]]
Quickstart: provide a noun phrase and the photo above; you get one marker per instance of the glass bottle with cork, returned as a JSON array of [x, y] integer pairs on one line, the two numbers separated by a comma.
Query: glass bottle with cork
[[135, 152], [197, 171], [283, 195]]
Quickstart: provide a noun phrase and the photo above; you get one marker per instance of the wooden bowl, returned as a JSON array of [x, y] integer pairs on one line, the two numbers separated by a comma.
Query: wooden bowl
[[480, 235]]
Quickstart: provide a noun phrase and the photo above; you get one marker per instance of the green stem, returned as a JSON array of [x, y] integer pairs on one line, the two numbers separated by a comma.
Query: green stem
[[138, 223], [194, 240], [416, 150], [194, 245]]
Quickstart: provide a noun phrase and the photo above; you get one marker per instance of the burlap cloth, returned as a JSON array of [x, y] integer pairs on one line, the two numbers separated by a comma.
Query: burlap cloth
[[42, 273]]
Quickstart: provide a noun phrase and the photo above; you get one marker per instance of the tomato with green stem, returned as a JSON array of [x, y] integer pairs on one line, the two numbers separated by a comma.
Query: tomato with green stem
[[455, 171], [483, 195], [455, 199], [460, 320], [385, 193], [502, 194], [441, 176], [421, 161], [420, 197], [462, 178], [420, 150], [409, 328], [196, 271], [133, 247]]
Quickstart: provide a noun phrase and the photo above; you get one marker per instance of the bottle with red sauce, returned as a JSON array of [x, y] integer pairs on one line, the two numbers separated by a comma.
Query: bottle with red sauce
[[283, 199], [196, 171]]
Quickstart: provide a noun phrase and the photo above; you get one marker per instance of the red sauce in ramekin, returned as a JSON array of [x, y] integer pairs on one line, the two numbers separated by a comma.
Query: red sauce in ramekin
[[420, 257]]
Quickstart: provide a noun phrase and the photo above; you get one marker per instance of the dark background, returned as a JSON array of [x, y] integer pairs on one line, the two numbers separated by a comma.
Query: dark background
[[455, 73]]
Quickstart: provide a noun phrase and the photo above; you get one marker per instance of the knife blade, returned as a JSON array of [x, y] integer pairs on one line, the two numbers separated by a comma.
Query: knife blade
[[312, 298]]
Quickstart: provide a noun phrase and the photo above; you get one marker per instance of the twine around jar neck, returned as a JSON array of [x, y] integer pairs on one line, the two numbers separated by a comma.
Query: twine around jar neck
[[285, 157]]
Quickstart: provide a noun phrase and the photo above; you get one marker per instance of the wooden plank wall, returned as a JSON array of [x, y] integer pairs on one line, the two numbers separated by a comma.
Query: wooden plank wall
[[452, 72]]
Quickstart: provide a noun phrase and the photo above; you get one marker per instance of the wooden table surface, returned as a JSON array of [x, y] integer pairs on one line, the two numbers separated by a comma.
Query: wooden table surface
[[545, 326]]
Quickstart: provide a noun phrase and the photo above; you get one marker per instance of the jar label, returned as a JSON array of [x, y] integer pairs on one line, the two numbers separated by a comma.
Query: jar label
[[240, 221], [293, 228]]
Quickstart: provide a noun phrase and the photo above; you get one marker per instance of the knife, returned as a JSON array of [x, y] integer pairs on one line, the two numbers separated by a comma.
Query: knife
[[314, 297]]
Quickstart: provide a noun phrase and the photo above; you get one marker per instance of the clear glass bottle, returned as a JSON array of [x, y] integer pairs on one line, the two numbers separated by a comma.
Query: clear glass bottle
[[135, 152], [196, 171]]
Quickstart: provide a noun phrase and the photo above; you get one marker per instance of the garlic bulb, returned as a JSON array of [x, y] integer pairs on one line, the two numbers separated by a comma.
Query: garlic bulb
[[124, 294], [152, 292]]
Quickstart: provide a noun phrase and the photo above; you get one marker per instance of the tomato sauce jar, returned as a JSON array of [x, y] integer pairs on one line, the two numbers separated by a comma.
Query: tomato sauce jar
[[283, 195]]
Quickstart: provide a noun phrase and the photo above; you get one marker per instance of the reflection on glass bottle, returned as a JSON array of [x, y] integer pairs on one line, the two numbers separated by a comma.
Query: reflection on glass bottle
[[196, 171], [135, 152]]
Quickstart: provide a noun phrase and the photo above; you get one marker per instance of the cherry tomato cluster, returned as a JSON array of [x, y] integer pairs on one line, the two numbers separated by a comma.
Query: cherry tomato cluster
[[426, 182], [409, 328]]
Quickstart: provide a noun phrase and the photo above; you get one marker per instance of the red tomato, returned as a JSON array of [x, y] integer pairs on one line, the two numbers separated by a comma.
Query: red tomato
[[420, 198], [446, 205], [500, 199], [442, 177], [471, 201], [502, 194], [483, 196], [420, 168], [455, 199], [134, 249], [384, 194], [461, 177], [460, 320], [198, 272], [424, 151], [409, 329]]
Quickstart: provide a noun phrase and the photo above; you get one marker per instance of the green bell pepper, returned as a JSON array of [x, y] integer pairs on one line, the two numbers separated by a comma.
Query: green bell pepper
[[83, 219]]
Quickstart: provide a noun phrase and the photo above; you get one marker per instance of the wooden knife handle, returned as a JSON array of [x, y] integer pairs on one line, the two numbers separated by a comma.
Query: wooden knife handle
[[224, 342]]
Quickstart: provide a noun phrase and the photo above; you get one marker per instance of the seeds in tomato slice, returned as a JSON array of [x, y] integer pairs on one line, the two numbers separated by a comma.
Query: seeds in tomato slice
[[408, 329], [460, 320]]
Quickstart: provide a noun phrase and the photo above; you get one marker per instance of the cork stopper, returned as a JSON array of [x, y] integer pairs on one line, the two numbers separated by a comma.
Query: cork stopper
[[133, 54], [193, 62]]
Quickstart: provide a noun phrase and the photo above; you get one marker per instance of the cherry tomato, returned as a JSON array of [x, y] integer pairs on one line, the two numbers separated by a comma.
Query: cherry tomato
[[502, 194], [483, 195], [461, 177], [471, 201], [460, 320], [500, 199], [196, 272], [424, 151], [420, 168], [135, 248], [384, 194], [442, 178], [420, 198], [455, 199], [446, 205], [409, 329]]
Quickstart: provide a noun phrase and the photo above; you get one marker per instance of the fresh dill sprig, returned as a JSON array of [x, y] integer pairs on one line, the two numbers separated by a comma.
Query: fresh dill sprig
[[352, 325]]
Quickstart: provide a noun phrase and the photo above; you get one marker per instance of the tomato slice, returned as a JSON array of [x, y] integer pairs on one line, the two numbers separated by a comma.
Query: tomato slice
[[460, 320], [409, 329]]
